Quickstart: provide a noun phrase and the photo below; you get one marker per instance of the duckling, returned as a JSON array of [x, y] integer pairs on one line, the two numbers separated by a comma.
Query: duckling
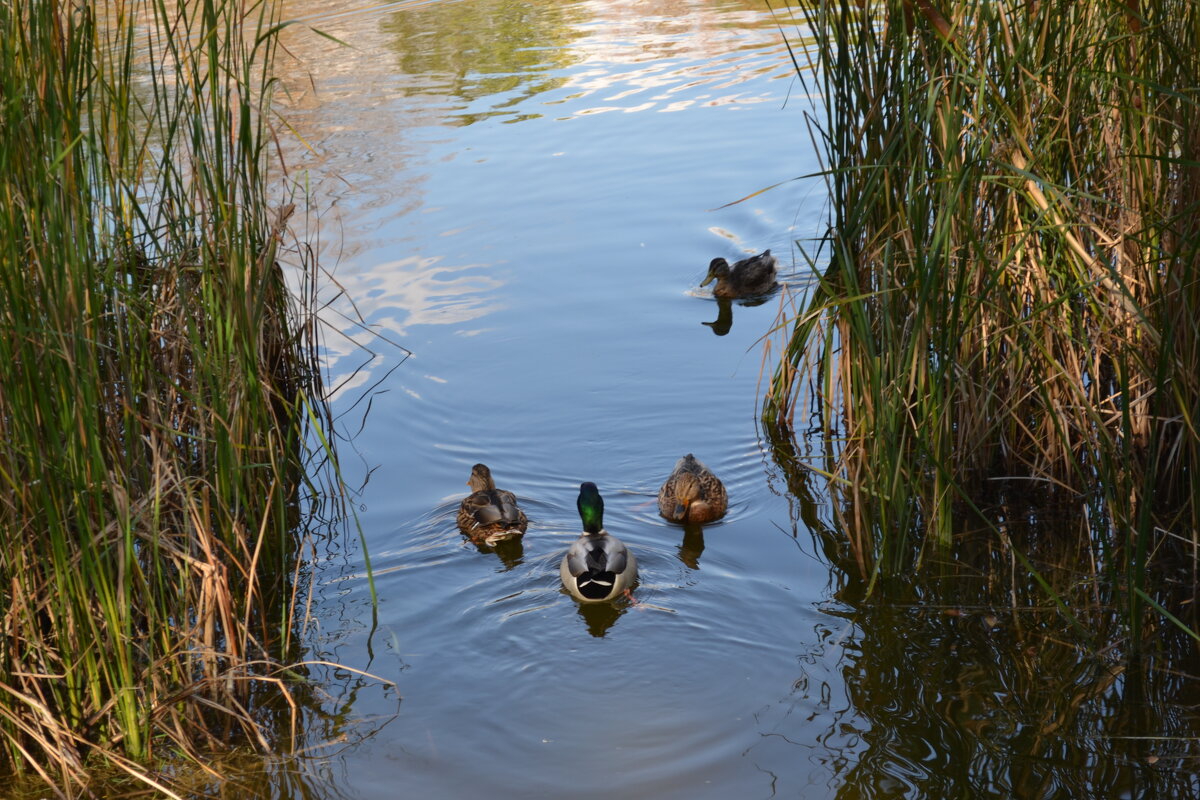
[[597, 566], [748, 277], [692, 493], [488, 514]]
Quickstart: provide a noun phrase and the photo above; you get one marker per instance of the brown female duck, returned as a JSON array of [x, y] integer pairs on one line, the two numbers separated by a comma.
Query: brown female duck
[[692, 493], [488, 514], [746, 278]]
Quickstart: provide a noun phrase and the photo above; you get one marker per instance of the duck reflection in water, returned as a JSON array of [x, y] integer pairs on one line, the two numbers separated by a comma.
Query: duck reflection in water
[[511, 552], [724, 321], [599, 617], [692, 545]]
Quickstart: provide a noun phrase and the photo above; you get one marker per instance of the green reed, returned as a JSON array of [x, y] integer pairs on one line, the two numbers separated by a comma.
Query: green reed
[[1012, 287], [157, 382]]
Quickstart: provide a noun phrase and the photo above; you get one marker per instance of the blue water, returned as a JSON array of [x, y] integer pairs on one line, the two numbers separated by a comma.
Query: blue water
[[539, 250], [516, 202]]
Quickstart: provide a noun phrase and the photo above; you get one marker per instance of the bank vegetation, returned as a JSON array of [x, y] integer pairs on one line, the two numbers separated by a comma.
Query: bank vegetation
[[1007, 314], [159, 392]]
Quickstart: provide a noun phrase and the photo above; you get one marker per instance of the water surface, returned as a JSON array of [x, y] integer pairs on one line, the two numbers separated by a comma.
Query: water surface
[[525, 195]]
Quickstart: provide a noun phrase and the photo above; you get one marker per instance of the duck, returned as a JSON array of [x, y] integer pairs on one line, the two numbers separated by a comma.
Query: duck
[[597, 566], [746, 278], [489, 515], [692, 493]]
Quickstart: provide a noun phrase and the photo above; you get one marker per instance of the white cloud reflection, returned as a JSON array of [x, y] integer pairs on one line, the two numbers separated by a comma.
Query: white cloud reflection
[[392, 298]]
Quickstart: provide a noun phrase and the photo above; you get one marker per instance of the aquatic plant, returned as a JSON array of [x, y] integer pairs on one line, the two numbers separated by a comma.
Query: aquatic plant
[[1010, 284], [158, 388]]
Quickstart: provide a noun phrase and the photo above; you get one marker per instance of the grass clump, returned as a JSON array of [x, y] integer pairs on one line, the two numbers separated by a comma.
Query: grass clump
[[157, 383], [1013, 279]]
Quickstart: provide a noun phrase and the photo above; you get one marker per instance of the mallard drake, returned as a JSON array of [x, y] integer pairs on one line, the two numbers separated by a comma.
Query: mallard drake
[[748, 277], [488, 514], [597, 566], [692, 493]]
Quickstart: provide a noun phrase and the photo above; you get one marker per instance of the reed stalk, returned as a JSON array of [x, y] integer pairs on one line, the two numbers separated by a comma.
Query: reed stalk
[[154, 378], [1012, 289]]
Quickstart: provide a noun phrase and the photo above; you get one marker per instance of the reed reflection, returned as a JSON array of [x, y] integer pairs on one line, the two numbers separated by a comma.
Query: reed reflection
[[966, 679], [313, 771], [487, 56]]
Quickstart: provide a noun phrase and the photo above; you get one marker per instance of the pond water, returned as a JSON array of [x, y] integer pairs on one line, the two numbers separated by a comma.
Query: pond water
[[526, 195]]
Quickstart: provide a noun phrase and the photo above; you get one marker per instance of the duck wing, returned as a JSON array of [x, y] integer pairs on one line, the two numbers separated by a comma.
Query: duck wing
[[756, 273], [595, 555], [594, 562], [670, 504], [505, 503], [495, 508]]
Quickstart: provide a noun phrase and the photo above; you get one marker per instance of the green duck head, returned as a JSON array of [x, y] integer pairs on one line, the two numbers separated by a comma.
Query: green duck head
[[591, 507]]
